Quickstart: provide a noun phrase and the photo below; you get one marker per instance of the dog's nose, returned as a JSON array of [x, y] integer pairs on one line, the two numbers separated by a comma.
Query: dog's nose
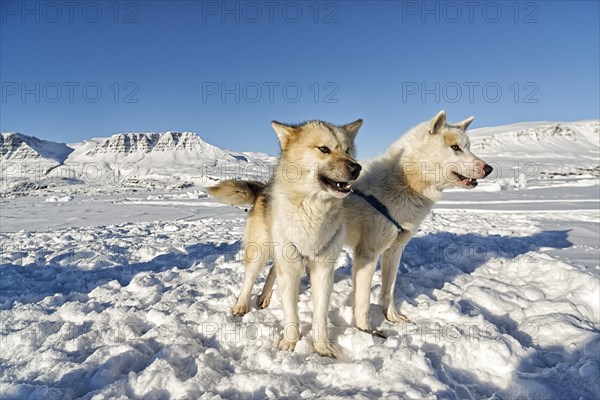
[[354, 169], [487, 169]]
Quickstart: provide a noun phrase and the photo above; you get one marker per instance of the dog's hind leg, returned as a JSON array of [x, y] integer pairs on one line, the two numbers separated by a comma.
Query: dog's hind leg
[[255, 257], [390, 261], [264, 299]]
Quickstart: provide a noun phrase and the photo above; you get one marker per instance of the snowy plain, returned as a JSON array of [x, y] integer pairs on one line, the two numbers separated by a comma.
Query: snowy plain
[[122, 288]]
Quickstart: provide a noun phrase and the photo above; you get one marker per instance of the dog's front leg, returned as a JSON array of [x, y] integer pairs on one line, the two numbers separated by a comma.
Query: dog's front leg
[[362, 274], [390, 261], [321, 281], [288, 275]]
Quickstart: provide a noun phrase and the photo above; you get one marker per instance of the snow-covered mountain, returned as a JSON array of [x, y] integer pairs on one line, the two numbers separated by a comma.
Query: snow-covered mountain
[[127, 159], [15, 146], [541, 149], [173, 157], [25, 161], [126, 143], [140, 144], [539, 140]]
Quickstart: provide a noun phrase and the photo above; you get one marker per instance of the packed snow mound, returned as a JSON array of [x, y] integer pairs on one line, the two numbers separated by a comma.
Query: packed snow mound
[[142, 310], [15, 146], [539, 140]]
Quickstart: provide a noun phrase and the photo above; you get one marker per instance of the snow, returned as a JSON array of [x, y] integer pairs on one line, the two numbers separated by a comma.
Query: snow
[[117, 293], [56, 199]]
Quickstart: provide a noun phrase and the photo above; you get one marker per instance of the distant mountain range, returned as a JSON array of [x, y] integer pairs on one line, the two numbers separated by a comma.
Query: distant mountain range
[[541, 149], [182, 158], [131, 159], [539, 139]]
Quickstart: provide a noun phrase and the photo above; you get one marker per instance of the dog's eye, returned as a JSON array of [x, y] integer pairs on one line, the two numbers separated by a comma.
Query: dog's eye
[[455, 147], [348, 150], [324, 149]]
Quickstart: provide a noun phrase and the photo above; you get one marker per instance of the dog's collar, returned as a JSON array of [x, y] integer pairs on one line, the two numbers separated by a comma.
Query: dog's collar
[[379, 206]]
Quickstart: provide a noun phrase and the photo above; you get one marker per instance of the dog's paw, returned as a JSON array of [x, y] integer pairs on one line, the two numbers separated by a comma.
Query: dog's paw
[[264, 300], [327, 349], [394, 316], [240, 309], [286, 345], [364, 326]]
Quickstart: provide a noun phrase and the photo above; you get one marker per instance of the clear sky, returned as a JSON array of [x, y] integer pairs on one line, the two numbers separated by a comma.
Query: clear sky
[[75, 70]]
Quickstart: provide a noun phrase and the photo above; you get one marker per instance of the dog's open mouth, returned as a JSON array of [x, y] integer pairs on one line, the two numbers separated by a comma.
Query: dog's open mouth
[[342, 188], [464, 181]]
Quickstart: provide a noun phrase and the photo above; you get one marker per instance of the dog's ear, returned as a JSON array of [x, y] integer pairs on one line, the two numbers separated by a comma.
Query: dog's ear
[[284, 133], [437, 123], [465, 124], [352, 128]]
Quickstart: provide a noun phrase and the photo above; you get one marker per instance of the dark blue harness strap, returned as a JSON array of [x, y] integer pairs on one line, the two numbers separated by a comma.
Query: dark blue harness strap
[[379, 206]]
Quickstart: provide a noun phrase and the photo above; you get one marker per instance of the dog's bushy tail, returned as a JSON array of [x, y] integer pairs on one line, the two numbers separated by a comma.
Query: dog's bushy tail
[[237, 192]]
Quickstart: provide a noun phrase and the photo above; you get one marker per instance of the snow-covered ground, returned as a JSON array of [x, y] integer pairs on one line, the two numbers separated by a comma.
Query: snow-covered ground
[[107, 292]]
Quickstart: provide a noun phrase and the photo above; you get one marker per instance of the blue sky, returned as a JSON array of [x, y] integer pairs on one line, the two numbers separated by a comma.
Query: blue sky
[[225, 70]]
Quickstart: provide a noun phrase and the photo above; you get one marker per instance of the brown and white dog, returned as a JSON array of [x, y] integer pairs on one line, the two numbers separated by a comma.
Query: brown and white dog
[[297, 220]]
